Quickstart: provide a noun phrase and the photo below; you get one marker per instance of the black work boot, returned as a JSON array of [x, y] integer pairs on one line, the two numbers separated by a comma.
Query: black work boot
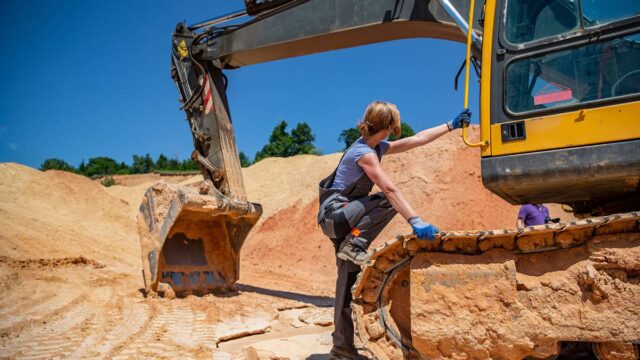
[[353, 253], [340, 353]]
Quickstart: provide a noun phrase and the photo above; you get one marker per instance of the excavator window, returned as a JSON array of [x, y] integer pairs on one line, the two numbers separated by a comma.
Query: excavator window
[[529, 21], [597, 71], [533, 20], [598, 12]]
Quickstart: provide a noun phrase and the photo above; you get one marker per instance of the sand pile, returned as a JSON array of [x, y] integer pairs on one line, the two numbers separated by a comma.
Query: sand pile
[[71, 216], [279, 183], [442, 181], [57, 214]]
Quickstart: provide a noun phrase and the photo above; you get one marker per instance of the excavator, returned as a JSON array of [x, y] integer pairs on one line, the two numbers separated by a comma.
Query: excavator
[[559, 123]]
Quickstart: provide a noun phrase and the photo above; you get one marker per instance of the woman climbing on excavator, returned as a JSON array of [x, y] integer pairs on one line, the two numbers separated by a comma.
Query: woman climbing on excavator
[[352, 218]]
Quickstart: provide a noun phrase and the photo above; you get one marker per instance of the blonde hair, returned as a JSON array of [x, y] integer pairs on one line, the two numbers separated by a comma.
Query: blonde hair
[[379, 116]]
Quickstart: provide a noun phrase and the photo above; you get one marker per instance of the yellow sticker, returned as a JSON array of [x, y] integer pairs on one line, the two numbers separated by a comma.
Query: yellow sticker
[[182, 50]]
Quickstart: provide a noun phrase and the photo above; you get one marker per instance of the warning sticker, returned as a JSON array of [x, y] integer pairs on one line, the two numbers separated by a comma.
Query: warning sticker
[[551, 93], [182, 50]]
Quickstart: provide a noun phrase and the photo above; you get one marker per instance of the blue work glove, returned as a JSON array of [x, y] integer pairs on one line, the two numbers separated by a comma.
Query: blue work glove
[[423, 229], [463, 117]]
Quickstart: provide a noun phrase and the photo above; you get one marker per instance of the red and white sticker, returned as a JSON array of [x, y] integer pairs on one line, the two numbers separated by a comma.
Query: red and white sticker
[[207, 97], [551, 93]]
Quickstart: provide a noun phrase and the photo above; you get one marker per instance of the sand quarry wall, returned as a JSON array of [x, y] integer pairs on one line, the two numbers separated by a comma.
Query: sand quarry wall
[[56, 214]]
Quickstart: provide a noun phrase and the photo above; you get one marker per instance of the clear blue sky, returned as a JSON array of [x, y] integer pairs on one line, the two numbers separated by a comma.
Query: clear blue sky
[[81, 79]]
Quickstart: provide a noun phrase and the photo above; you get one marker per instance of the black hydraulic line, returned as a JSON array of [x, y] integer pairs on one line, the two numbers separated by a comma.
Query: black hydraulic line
[[281, 8], [455, 81], [189, 103], [476, 66], [218, 20]]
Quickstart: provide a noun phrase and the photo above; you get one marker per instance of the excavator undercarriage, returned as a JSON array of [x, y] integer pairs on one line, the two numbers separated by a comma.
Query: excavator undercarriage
[[506, 294]]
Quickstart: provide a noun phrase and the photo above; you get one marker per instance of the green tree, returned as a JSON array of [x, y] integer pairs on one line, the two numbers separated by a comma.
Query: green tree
[[101, 165], [142, 164], [123, 169], [56, 164], [405, 131], [283, 144], [279, 143], [244, 160], [349, 136], [302, 140], [173, 164], [82, 168], [162, 163], [188, 165]]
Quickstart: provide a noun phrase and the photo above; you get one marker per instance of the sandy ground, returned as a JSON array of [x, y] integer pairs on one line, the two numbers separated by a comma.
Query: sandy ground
[[70, 261]]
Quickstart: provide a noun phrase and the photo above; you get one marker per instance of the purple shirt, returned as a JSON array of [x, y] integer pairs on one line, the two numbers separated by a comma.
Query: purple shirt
[[533, 214]]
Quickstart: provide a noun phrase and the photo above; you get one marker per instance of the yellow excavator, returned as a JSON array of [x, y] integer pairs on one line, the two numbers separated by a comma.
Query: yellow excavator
[[559, 123]]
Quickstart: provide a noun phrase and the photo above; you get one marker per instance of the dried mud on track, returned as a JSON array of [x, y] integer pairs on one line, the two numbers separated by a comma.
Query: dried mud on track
[[70, 261]]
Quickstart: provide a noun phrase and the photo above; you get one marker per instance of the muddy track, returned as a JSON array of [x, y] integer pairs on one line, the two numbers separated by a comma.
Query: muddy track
[[591, 265]]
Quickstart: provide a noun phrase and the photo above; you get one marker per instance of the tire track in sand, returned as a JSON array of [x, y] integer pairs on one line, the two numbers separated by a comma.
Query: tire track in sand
[[61, 332], [123, 321], [177, 331]]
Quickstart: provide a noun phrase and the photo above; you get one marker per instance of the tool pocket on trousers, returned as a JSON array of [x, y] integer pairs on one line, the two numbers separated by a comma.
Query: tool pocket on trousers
[[335, 225]]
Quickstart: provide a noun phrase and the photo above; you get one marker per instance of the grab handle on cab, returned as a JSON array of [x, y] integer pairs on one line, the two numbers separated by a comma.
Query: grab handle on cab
[[466, 79]]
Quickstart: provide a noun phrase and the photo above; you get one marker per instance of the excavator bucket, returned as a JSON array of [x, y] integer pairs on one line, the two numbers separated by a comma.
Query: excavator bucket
[[191, 241]]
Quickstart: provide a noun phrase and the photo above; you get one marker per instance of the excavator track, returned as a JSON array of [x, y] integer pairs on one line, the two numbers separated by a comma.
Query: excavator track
[[493, 294]]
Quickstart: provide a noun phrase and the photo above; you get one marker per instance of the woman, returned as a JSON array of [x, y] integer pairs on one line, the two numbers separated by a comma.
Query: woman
[[352, 218]]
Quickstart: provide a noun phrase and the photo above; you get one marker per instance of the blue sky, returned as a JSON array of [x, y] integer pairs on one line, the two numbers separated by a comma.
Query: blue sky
[[81, 79]]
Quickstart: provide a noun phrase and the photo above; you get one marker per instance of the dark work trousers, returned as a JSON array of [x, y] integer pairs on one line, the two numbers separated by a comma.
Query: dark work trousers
[[369, 214]]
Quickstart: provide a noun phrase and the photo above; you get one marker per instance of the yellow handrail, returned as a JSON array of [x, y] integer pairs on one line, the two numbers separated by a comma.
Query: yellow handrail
[[466, 79]]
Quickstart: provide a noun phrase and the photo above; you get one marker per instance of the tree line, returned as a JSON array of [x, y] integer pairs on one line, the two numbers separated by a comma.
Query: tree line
[[282, 143], [102, 165], [300, 141]]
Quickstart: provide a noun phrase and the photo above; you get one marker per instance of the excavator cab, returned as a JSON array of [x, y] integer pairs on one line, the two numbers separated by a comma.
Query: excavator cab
[[560, 101]]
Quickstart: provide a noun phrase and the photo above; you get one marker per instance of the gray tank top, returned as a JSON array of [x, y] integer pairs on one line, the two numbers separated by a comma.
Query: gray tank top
[[348, 170]]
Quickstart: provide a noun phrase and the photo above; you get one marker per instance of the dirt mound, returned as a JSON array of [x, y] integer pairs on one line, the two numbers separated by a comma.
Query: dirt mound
[[56, 214], [279, 183], [442, 181]]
